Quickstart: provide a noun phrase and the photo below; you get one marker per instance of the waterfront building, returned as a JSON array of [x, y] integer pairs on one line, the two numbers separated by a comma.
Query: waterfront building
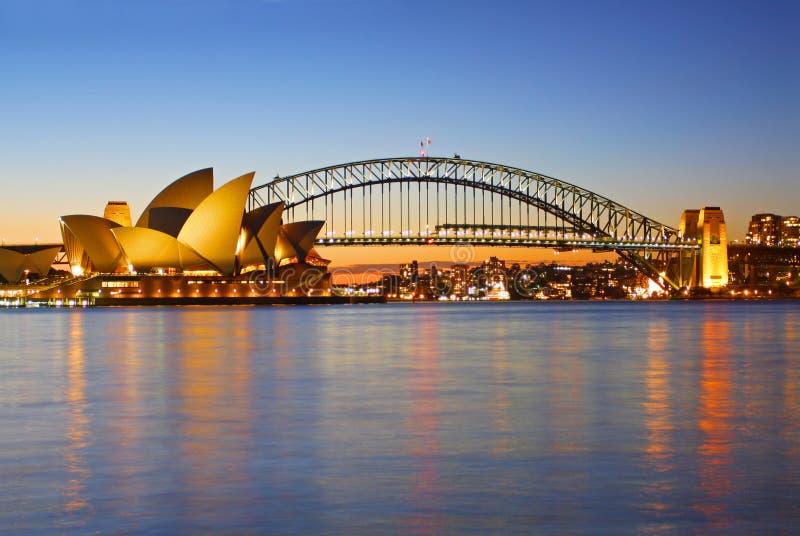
[[409, 277], [439, 283], [391, 285], [189, 227], [494, 270], [459, 277], [790, 231], [764, 230], [546, 281], [18, 262]]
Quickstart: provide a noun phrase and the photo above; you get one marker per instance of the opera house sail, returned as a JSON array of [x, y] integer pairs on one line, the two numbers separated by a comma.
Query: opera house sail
[[17, 262], [190, 227]]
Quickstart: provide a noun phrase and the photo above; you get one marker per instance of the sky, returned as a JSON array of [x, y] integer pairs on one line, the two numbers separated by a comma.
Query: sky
[[658, 105]]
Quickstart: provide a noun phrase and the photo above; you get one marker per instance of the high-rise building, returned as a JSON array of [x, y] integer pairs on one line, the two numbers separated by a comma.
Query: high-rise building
[[495, 270], [460, 278], [118, 212], [764, 229], [790, 231], [409, 276]]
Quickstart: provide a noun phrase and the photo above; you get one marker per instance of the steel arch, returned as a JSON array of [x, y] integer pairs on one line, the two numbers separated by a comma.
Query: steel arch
[[611, 225]]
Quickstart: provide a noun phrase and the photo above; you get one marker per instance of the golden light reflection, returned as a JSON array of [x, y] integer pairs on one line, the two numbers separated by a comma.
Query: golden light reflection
[[424, 428], [77, 426], [658, 423], [716, 412], [215, 391], [128, 370]]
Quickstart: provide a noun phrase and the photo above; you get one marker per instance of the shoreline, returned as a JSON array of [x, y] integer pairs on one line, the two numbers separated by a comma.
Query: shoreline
[[324, 300]]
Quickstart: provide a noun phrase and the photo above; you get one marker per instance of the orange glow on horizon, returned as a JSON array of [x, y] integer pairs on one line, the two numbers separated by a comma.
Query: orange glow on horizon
[[358, 265]]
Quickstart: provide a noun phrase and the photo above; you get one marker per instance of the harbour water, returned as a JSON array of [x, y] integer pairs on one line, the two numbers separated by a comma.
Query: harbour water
[[565, 418]]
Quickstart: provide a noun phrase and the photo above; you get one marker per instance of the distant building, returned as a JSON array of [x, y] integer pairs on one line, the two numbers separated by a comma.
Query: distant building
[[409, 277], [118, 212], [459, 274], [391, 285], [439, 282], [764, 230], [790, 231], [494, 272]]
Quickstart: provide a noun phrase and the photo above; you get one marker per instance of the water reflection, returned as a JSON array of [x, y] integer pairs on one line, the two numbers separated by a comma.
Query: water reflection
[[500, 405], [566, 384], [423, 425], [280, 393], [125, 390], [565, 436], [659, 451], [791, 383], [716, 413], [215, 392], [520, 418], [77, 506], [791, 387]]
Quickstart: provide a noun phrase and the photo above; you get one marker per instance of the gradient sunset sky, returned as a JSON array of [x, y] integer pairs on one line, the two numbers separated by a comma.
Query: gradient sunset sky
[[660, 106]]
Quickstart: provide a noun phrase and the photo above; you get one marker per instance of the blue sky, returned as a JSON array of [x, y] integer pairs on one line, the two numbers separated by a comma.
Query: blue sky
[[660, 106]]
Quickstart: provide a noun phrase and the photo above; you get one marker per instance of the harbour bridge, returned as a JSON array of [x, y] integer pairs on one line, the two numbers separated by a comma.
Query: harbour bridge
[[453, 201]]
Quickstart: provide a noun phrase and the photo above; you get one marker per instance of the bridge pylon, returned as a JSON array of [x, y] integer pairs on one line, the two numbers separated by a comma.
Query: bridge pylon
[[707, 267]]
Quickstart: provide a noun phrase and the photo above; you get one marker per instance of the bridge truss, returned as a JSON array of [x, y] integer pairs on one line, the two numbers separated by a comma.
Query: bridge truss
[[446, 201]]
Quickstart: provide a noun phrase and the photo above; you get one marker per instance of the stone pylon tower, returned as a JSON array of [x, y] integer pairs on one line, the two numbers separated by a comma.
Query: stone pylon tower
[[714, 242], [707, 226]]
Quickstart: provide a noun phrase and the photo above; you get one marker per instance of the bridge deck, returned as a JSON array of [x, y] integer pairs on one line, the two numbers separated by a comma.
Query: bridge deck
[[558, 243]]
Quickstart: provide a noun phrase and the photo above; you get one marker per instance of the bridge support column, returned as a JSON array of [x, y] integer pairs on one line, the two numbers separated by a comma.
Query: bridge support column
[[714, 243], [707, 226]]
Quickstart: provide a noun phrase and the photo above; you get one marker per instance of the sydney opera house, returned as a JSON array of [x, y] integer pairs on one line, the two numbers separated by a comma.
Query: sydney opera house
[[190, 241], [17, 262]]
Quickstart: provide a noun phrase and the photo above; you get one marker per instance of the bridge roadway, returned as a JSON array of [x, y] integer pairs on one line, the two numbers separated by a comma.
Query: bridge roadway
[[598, 244]]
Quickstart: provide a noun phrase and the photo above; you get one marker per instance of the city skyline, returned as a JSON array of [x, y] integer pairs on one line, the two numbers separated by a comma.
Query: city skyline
[[108, 103], [399, 266]]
